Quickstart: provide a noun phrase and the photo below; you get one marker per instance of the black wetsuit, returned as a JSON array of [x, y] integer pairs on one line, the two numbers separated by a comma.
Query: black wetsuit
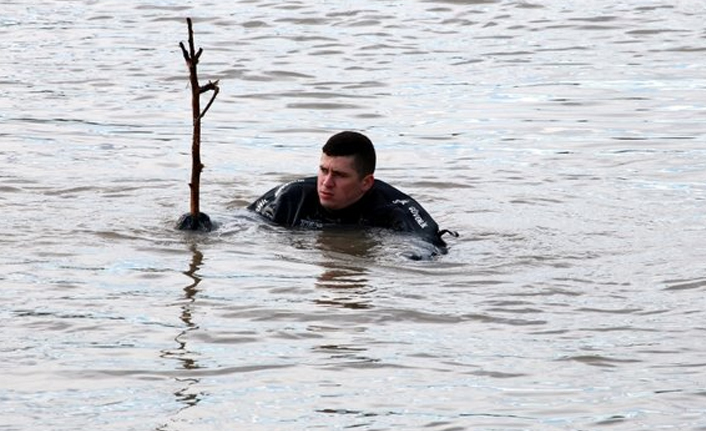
[[296, 204]]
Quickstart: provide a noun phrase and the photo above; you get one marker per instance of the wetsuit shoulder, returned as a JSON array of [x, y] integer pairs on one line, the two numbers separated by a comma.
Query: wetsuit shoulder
[[393, 209], [286, 204]]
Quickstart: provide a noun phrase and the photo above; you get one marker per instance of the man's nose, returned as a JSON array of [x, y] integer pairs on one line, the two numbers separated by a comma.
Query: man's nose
[[328, 180]]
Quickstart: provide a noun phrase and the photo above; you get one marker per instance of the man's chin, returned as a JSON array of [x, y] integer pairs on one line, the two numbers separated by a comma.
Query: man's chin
[[327, 204]]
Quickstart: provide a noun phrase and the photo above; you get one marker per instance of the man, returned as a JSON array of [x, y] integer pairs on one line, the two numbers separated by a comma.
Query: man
[[345, 192]]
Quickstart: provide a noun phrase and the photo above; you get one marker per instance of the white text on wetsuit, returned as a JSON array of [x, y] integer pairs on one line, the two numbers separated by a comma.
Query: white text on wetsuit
[[415, 213]]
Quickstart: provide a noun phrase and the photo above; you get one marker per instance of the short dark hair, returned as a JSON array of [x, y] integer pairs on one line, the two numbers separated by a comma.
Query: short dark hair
[[353, 144]]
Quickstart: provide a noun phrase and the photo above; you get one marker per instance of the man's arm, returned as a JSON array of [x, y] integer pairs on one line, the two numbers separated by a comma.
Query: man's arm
[[402, 213], [410, 216]]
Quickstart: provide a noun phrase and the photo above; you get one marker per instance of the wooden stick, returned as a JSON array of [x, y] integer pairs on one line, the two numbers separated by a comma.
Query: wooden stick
[[191, 56]]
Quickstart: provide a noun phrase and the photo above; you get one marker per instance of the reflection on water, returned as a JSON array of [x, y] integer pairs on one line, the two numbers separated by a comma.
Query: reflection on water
[[187, 358], [181, 353], [344, 255], [354, 243]]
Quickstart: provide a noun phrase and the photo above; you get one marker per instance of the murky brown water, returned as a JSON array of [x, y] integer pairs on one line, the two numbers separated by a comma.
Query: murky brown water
[[565, 142]]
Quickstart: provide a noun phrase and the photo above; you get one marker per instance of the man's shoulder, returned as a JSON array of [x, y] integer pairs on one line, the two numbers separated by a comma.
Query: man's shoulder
[[301, 185], [288, 191], [389, 194], [401, 210]]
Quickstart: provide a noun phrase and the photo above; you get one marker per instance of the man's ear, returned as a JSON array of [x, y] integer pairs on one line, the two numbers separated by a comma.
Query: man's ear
[[368, 182]]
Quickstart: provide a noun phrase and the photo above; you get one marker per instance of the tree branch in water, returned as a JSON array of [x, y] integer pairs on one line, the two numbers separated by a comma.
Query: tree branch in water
[[195, 219]]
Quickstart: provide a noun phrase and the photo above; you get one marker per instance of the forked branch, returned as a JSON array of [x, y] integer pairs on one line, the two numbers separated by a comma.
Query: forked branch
[[195, 220]]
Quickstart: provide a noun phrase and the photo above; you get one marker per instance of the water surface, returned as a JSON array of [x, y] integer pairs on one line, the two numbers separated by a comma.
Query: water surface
[[564, 142]]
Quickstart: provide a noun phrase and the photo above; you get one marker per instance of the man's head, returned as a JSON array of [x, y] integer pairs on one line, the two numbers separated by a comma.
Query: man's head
[[346, 170]]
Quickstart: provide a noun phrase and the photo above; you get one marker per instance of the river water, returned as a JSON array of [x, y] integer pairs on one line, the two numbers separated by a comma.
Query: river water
[[564, 141]]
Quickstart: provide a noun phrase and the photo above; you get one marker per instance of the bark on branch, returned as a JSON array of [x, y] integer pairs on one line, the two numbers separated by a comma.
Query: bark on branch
[[195, 219]]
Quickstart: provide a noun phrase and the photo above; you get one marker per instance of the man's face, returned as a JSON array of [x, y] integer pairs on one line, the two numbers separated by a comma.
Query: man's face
[[339, 184]]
